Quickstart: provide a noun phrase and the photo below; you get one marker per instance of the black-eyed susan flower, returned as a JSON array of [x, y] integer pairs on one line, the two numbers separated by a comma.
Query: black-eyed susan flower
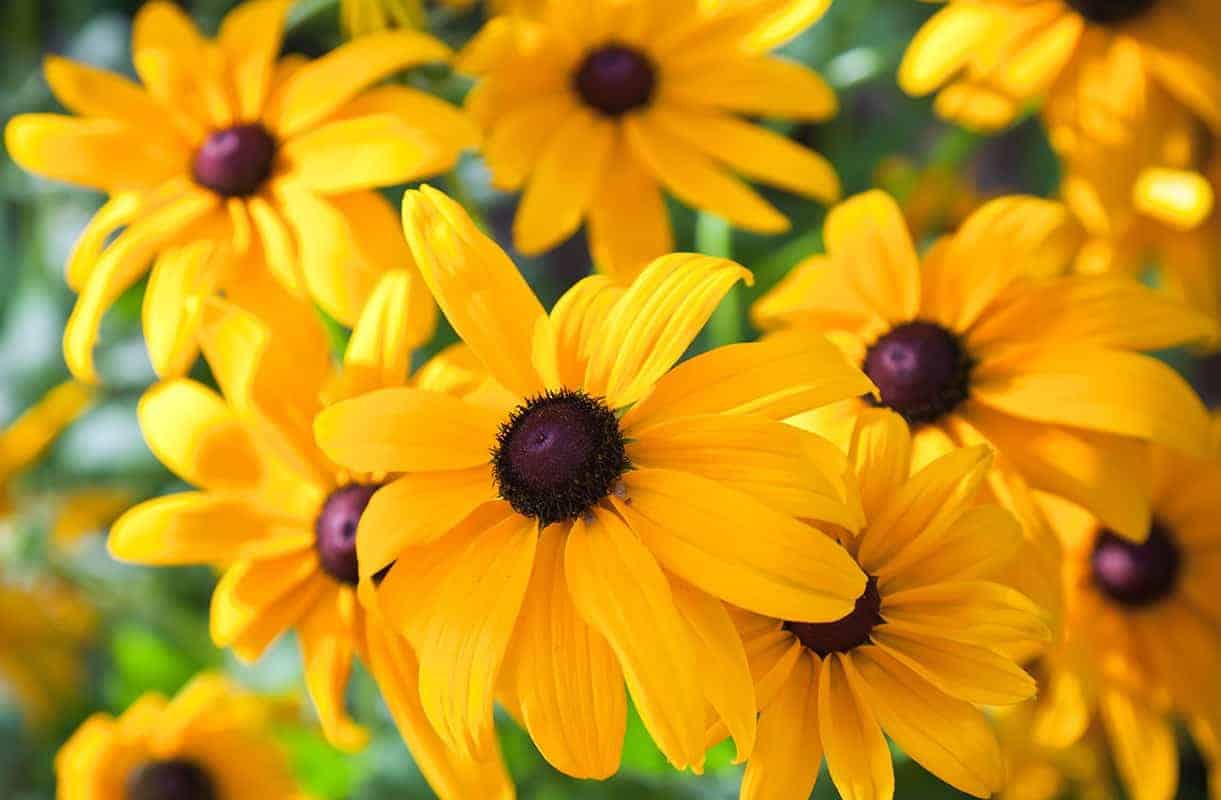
[[227, 165], [1142, 644], [920, 649], [992, 59], [27, 437], [986, 339], [280, 520], [591, 110], [212, 741], [573, 524]]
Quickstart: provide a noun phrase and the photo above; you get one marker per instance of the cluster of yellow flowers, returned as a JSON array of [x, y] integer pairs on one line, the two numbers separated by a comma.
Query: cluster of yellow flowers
[[947, 498]]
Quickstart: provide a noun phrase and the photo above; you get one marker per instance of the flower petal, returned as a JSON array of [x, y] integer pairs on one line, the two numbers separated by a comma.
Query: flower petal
[[101, 154], [189, 528], [576, 317], [881, 458], [1143, 743], [756, 85], [366, 152], [628, 223], [857, 756], [969, 672], [868, 240], [788, 753], [257, 600], [971, 611], [250, 38], [327, 638]]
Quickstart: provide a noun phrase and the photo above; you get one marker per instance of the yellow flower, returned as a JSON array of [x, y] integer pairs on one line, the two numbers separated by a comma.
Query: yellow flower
[[1039, 770], [991, 59], [211, 741], [1142, 638], [594, 107], [622, 500], [935, 198], [47, 628], [227, 166], [986, 340], [280, 520], [920, 649], [361, 17], [23, 441]]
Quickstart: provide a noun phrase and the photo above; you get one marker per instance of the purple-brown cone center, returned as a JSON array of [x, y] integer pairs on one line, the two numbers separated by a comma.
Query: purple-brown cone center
[[921, 371], [1136, 575], [1109, 12], [236, 161], [616, 79], [335, 531], [557, 455], [172, 779], [845, 633]]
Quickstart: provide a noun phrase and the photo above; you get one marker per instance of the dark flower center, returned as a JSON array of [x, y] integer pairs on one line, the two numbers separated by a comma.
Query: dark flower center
[[557, 455], [172, 779], [616, 79], [845, 633], [235, 162], [335, 531], [1108, 12], [1136, 575], [921, 371]]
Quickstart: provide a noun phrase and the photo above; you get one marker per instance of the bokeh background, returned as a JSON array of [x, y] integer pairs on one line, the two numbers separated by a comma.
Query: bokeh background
[[80, 632]]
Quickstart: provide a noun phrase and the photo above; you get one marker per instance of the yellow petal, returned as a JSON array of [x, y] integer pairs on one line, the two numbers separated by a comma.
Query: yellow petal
[[972, 611], [868, 239], [628, 223], [788, 753], [116, 213], [697, 181], [576, 317], [101, 154], [981, 542], [784, 569], [256, 601], [654, 323], [250, 38], [1179, 198], [349, 154], [416, 509], [857, 756], [943, 46], [563, 182], [179, 278], [405, 430], [27, 437], [818, 293], [756, 85], [378, 355], [969, 672], [621, 592], [447, 129], [881, 458], [327, 646], [322, 86], [479, 290], [93, 92], [948, 737], [777, 377], [189, 528], [728, 683], [1143, 744], [566, 680]]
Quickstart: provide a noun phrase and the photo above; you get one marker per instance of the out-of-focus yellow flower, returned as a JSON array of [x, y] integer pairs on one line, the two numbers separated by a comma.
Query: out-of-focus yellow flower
[[992, 59], [211, 741], [1040, 770], [45, 631], [280, 520], [986, 339], [229, 166], [920, 649], [22, 442], [593, 107], [576, 523], [360, 17], [934, 199]]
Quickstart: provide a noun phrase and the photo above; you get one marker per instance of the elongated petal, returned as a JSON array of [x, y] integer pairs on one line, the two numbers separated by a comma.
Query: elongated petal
[[250, 37], [980, 543], [969, 672], [180, 278], [257, 601], [777, 377], [943, 45], [881, 456], [628, 223], [566, 680], [788, 753], [1143, 742], [973, 611], [857, 756], [117, 212], [189, 528], [327, 635], [868, 239], [577, 316], [761, 85], [621, 592], [948, 737], [655, 322], [482, 294], [27, 437], [93, 92], [349, 154], [378, 355], [404, 430], [782, 569], [101, 154]]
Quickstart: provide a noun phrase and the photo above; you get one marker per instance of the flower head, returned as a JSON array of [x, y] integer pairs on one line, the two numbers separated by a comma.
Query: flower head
[[592, 114], [920, 649], [279, 519], [228, 166], [211, 742], [575, 523]]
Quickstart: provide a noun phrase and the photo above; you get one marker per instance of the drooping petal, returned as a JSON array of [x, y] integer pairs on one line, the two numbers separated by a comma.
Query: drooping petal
[[257, 600], [1143, 742], [179, 279], [628, 224], [328, 643], [788, 752], [621, 592], [857, 756]]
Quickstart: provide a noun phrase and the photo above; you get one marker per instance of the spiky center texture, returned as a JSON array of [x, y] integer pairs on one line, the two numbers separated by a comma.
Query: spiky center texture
[[335, 531], [1136, 575], [615, 79], [558, 454], [236, 161], [920, 369], [172, 779], [845, 633], [1109, 12]]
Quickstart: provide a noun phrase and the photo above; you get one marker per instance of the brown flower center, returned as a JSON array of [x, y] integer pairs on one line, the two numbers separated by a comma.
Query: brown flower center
[[235, 162], [558, 454], [1136, 575], [616, 79], [845, 633], [335, 531], [921, 371], [1110, 12], [172, 779]]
